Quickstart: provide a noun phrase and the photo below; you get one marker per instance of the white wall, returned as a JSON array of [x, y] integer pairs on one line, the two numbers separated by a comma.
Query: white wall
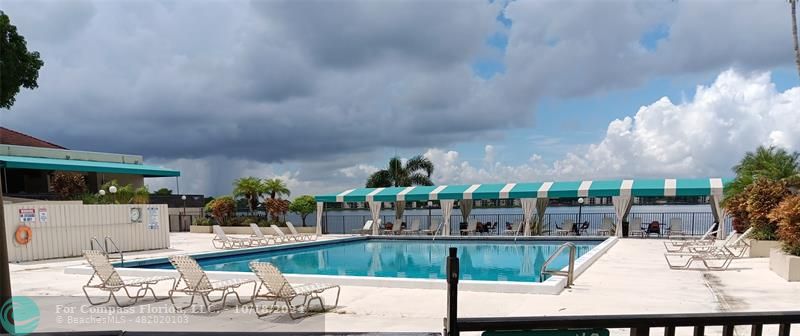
[[69, 228]]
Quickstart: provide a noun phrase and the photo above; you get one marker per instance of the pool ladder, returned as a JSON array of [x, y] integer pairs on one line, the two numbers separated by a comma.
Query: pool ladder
[[105, 248], [570, 272]]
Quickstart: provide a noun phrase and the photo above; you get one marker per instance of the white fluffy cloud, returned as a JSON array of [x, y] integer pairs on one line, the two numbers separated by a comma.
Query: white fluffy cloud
[[701, 137]]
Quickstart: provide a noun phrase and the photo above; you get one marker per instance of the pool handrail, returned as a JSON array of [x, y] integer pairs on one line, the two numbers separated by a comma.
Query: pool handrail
[[570, 273]]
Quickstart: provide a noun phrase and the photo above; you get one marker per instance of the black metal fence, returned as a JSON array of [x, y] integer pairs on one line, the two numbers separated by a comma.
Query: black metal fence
[[638, 324], [694, 223], [181, 222]]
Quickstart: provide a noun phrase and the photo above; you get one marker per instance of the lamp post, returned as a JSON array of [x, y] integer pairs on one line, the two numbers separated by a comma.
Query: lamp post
[[113, 190], [180, 218], [580, 207], [430, 204]]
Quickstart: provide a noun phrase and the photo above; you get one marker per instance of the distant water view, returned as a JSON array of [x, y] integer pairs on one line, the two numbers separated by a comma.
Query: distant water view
[[550, 210], [695, 218]]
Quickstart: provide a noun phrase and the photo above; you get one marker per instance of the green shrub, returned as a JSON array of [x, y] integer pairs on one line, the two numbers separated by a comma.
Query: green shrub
[[203, 221], [90, 199], [787, 215]]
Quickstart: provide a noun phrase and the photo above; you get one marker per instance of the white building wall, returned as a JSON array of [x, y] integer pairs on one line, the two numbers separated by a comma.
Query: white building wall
[[68, 228]]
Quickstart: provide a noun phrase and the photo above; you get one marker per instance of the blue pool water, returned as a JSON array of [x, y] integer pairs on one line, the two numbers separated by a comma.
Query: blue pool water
[[480, 260]]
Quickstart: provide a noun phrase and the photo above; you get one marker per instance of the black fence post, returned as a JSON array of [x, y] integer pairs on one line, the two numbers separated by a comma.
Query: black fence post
[[451, 325]]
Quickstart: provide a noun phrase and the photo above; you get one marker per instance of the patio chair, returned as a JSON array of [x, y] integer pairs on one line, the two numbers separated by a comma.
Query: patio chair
[[434, 227], [472, 227], [566, 227], [606, 226], [414, 229], [222, 241], [259, 237], [397, 228], [733, 242], [724, 254], [583, 228], [680, 245], [635, 227], [111, 282], [280, 290], [675, 227], [284, 237], [196, 283], [515, 228], [366, 229], [306, 236]]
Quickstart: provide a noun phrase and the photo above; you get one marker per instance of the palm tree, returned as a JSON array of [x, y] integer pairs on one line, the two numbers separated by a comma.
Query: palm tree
[[275, 188], [793, 5], [250, 188], [416, 171], [767, 162]]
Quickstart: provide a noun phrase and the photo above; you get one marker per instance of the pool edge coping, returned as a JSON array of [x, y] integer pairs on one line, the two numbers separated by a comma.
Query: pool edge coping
[[552, 286]]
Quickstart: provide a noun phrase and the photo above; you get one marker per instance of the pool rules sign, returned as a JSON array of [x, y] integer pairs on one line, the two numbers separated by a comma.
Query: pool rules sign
[[152, 218], [27, 216]]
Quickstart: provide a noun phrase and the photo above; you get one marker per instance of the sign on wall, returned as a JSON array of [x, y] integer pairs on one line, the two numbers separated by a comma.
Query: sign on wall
[[136, 215], [42, 215], [27, 215], [153, 216]]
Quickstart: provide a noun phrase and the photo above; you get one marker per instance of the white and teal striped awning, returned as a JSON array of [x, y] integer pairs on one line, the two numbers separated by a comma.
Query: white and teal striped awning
[[568, 189]]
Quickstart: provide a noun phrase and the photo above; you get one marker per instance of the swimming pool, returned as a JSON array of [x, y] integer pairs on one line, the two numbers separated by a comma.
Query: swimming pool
[[487, 260]]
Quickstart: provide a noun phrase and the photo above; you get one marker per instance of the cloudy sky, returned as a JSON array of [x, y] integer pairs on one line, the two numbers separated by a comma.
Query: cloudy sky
[[322, 93]]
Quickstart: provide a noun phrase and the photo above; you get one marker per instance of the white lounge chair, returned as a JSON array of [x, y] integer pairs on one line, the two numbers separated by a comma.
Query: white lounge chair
[[635, 227], [111, 282], [366, 229], [260, 237], [472, 227], [306, 236], [284, 237], [280, 290], [397, 228], [713, 257], [222, 241], [567, 227], [414, 229], [675, 227], [434, 228], [514, 229], [606, 227], [679, 245], [195, 282], [733, 242]]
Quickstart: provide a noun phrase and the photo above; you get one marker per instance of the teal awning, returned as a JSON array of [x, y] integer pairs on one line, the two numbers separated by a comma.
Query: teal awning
[[22, 162], [553, 189]]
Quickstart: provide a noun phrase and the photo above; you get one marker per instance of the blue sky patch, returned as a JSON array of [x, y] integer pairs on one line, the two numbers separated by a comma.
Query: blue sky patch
[[650, 38]]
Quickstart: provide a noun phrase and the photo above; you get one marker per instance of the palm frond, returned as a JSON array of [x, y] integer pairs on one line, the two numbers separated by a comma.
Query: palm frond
[[420, 162], [379, 179], [420, 179]]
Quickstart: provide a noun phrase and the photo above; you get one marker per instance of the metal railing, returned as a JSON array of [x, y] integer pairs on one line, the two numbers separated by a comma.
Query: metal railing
[[694, 223], [639, 324], [105, 248], [570, 273]]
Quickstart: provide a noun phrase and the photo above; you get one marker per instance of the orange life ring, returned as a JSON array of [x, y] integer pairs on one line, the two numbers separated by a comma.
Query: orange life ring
[[23, 235]]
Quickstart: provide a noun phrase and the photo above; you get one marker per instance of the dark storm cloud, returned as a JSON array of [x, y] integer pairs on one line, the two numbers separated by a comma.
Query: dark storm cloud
[[267, 80], [319, 81]]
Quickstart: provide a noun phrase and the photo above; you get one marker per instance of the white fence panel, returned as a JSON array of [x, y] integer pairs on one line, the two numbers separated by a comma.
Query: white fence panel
[[62, 230]]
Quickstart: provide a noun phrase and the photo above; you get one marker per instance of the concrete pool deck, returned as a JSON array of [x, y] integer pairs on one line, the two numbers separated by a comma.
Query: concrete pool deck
[[631, 277]]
